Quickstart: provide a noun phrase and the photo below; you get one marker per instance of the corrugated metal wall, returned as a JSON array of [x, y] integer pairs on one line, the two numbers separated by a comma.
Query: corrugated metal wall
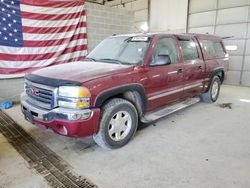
[[227, 18]]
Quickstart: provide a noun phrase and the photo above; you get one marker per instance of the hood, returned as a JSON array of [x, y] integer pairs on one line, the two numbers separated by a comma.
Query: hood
[[82, 71]]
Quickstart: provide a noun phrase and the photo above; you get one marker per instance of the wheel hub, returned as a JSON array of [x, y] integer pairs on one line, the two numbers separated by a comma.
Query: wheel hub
[[120, 125], [215, 89]]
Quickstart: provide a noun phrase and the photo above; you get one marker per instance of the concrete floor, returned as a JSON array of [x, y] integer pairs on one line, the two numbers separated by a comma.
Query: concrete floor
[[202, 146]]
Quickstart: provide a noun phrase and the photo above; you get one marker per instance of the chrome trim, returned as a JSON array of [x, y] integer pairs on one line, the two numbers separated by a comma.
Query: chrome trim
[[173, 72], [55, 97], [192, 86], [43, 114], [54, 91], [152, 116], [38, 103], [165, 94], [186, 87]]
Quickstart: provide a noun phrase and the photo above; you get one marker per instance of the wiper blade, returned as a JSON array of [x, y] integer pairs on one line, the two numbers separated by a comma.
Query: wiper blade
[[113, 60], [89, 59]]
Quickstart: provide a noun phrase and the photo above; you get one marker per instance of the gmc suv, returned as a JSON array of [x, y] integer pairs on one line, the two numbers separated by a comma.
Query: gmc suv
[[126, 79]]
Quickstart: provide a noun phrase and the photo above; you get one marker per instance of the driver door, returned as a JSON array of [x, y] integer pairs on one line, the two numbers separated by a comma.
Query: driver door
[[166, 79]]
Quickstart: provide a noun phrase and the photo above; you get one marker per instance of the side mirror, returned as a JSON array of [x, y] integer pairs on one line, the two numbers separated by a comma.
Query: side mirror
[[162, 60]]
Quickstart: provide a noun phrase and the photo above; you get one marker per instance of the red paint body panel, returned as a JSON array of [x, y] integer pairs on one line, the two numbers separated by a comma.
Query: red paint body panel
[[159, 82]]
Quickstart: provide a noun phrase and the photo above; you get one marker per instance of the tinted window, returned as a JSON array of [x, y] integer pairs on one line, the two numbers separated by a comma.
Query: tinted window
[[189, 49], [213, 48], [165, 46]]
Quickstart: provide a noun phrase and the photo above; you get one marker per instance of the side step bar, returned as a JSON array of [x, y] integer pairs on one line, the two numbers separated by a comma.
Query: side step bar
[[149, 117]]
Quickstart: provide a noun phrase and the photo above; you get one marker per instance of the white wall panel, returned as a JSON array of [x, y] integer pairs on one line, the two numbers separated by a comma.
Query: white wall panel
[[167, 15], [202, 5], [235, 63], [248, 34], [246, 78], [248, 47], [202, 30], [247, 63], [232, 3], [238, 31], [233, 77], [202, 19], [232, 15]]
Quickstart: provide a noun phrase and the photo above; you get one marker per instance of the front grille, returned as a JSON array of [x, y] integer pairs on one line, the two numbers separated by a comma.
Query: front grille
[[40, 95]]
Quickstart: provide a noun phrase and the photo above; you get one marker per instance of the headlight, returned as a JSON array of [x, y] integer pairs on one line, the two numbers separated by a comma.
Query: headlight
[[73, 91], [73, 97]]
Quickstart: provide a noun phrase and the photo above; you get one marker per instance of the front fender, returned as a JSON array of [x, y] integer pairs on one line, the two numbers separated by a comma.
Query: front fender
[[120, 90]]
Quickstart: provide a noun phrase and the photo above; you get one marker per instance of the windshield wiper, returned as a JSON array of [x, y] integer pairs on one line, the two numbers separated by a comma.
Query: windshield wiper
[[111, 60], [89, 59]]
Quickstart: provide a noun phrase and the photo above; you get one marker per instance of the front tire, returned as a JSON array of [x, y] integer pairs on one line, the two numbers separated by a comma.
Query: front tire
[[214, 90], [118, 124]]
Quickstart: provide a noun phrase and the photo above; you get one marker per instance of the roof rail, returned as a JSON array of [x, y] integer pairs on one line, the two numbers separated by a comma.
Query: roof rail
[[227, 37]]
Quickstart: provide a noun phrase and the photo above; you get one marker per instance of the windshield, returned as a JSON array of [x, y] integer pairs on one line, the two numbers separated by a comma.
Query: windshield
[[122, 50]]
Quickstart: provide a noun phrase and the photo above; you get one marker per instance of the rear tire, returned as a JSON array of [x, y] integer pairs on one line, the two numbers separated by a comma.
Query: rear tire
[[118, 124], [213, 93]]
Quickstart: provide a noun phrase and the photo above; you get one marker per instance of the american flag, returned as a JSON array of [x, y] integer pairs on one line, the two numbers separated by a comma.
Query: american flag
[[40, 33]]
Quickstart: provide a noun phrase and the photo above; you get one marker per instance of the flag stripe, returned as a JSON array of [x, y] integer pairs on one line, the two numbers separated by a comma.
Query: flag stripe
[[53, 23], [29, 43], [35, 16], [34, 57], [39, 50], [53, 29], [55, 36], [39, 63], [54, 4], [49, 10]]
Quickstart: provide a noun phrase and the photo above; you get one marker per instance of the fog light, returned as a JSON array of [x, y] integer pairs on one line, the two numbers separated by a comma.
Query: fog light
[[74, 116], [78, 116]]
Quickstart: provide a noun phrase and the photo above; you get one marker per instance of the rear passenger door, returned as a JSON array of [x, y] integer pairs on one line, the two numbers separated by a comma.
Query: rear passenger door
[[193, 66]]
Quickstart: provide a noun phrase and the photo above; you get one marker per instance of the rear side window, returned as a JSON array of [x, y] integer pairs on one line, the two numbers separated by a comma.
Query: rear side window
[[165, 46], [213, 48], [189, 50]]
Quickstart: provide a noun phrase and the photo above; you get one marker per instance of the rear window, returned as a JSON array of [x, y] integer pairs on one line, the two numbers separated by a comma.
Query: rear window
[[189, 49], [213, 48]]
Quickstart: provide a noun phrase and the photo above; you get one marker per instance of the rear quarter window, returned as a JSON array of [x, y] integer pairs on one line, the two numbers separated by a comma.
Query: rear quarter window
[[189, 50], [213, 49]]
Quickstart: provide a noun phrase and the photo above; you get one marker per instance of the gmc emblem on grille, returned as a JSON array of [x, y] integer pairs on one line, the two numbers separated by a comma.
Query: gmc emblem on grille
[[32, 91]]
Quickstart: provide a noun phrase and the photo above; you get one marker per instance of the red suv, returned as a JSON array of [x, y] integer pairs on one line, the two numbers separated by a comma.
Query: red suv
[[126, 79]]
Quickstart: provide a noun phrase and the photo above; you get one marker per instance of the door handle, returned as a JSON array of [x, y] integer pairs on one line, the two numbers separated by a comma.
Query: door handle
[[179, 71], [200, 67]]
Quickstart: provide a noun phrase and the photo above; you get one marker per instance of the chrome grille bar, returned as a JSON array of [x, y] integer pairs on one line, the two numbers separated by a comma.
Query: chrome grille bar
[[40, 95]]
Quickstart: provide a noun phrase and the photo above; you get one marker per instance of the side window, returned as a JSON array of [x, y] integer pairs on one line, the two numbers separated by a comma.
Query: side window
[[189, 50], [165, 46], [213, 48]]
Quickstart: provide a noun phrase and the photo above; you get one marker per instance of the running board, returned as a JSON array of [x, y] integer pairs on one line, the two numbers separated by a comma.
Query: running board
[[149, 117]]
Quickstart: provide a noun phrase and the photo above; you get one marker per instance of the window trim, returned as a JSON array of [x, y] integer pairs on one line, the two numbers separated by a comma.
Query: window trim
[[196, 46], [176, 48], [210, 57]]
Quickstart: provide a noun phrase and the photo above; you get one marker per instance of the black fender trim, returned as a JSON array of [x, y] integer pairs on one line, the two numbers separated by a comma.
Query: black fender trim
[[50, 81], [136, 99], [102, 97], [214, 73]]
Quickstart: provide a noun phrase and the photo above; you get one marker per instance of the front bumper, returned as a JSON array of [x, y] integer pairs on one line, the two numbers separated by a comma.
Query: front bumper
[[67, 122]]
